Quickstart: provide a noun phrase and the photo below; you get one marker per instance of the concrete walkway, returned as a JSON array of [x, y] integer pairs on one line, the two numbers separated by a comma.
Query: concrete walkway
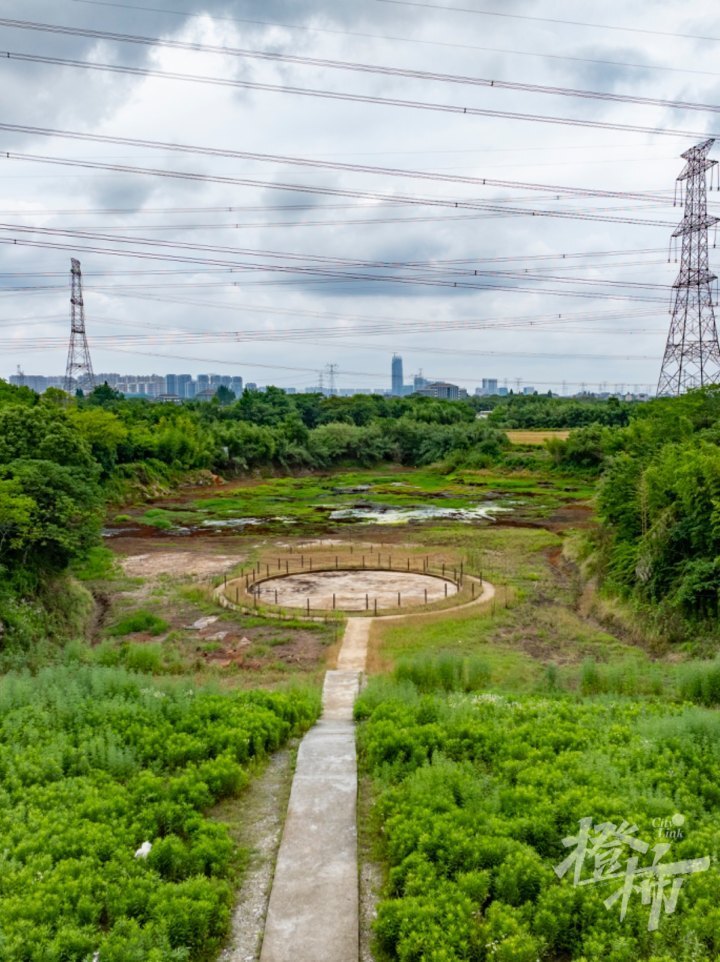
[[313, 910], [313, 913]]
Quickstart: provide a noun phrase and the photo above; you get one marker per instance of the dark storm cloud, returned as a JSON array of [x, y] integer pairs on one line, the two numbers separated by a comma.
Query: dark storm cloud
[[31, 90]]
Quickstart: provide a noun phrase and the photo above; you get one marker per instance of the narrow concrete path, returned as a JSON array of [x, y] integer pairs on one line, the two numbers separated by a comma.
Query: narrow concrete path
[[313, 914]]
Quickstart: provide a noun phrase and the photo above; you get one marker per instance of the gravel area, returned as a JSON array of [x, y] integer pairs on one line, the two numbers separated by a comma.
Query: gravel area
[[261, 815]]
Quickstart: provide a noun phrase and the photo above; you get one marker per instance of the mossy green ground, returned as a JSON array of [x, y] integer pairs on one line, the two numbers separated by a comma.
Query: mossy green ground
[[309, 501]]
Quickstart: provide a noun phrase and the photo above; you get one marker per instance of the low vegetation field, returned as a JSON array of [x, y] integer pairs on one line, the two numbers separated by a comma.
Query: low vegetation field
[[107, 781], [536, 437]]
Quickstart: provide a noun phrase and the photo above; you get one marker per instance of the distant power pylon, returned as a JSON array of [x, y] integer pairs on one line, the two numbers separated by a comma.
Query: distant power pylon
[[332, 371], [692, 352], [79, 366]]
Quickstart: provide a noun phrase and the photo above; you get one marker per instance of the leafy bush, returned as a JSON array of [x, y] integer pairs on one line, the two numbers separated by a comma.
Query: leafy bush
[[139, 621], [475, 793], [95, 762]]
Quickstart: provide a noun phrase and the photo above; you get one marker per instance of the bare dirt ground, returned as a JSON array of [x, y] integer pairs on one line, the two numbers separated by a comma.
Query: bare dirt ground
[[350, 589], [198, 564], [174, 582]]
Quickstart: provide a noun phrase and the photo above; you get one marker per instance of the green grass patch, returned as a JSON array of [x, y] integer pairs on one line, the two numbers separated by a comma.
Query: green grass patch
[[99, 564], [139, 621]]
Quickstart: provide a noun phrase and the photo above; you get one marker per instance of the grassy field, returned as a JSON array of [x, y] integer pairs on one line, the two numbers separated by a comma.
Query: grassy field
[[536, 437]]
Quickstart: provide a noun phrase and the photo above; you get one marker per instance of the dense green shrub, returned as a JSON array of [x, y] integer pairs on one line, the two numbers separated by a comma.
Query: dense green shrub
[[93, 763], [475, 793]]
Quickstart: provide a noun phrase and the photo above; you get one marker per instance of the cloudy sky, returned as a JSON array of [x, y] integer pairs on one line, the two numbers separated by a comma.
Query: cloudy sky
[[297, 233]]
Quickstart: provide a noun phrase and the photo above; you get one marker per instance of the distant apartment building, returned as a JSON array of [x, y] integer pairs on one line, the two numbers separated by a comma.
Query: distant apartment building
[[171, 385], [489, 387], [110, 378], [142, 385], [441, 389], [36, 382]]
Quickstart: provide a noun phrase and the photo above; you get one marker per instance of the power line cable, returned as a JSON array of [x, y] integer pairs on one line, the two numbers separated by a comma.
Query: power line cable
[[394, 38], [449, 8], [295, 161], [348, 97], [344, 65], [330, 191], [332, 268]]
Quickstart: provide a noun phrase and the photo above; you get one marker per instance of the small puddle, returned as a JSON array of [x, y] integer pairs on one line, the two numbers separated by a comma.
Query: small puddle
[[377, 514], [231, 523]]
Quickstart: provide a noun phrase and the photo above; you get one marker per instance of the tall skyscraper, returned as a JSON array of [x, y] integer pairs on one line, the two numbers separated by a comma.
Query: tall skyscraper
[[489, 385], [182, 382], [396, 383]]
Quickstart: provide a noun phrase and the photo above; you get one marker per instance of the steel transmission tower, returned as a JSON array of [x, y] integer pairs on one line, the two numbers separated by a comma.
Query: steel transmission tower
[[332, 372], [692, 352], [79, 366]]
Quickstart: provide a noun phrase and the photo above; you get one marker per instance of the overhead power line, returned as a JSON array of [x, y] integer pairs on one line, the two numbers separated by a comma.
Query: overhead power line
[[343, 65], [348, 97], [449, 8], [334, 191], [333, 165], [413, 41], [183, 253], [561, 255]]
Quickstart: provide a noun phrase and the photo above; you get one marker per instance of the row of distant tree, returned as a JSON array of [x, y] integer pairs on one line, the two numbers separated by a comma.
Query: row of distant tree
[[658, 466]]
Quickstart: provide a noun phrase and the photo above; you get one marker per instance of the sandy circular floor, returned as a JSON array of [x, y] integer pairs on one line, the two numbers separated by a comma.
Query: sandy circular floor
[[351, 587]]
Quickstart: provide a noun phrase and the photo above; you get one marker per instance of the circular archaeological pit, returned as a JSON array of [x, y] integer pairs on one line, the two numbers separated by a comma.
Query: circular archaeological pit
[[353, 590]]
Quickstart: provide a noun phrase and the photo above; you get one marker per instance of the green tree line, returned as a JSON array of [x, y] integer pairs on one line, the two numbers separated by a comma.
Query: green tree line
[[658, 501]]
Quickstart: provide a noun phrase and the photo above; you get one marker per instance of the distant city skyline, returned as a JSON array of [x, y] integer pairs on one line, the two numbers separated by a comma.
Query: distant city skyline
[[186, 386]]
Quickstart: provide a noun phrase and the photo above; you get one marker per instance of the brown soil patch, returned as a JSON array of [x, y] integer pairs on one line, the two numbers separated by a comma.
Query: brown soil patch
[[178, 563], [350, 589], [573, 515], [253, 649]]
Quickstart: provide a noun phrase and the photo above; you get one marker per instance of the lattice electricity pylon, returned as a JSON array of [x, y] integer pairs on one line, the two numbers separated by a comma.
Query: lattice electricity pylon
[[692, 352], [332, 370], [79, 366]]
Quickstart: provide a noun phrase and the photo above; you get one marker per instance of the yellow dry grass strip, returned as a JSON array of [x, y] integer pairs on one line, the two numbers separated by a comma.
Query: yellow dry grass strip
[[535, 437]]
